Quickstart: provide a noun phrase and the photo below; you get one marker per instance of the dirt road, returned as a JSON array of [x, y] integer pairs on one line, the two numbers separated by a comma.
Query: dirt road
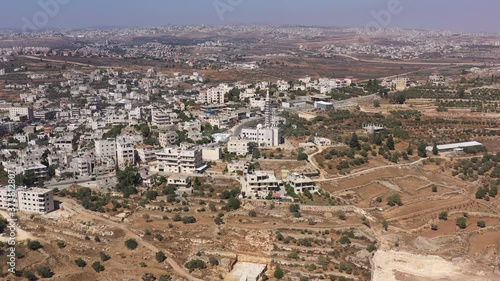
[[310, 158], [371, 170], [82, 213]]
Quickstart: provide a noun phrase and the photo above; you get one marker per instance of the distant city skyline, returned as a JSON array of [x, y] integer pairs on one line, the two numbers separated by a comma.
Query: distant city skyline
[[455, 15]]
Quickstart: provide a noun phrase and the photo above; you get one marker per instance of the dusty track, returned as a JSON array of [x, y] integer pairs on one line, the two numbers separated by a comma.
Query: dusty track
[[82, 213]]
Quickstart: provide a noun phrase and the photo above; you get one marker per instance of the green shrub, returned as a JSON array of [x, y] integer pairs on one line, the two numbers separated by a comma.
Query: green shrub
[[131, 244], [45, 272], [461, 222], [34, 245], [97, 266], [160, 257], [80, 262], [104, 256]]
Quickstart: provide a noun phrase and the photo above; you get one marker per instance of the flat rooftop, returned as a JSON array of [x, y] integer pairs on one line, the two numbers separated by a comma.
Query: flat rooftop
[[244, 271], [455, 145], [35, 190], [324, 103]]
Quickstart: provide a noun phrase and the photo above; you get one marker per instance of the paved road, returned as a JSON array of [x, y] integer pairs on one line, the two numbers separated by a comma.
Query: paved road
[[409, 62], [236, 130], [82, 180], [45, 59]]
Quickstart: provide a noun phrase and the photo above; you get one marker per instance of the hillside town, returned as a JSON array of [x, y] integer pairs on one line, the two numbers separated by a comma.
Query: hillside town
[[249, 152], [107, 120]]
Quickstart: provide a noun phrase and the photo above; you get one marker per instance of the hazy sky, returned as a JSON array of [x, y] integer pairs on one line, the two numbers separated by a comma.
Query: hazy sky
[[459, 15]]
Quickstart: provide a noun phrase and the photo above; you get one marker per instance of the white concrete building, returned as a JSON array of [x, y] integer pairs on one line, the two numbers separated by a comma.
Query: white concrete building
[[83, 166], [283, 85], [21, 137], [322, 141], [135, 114], [163, 118], [147, 153], [105, 148], [264, 137], [237, 166], [248, 93], [64, 143], [40, 171], [239, 146], [124, 151], [179, 160], [17, 113], [211, 153], [28, 160], [301, 183], [260, 184], [167, 138], [258, 102], [194, 125], [179, 181], [35, 200], [214, 95]]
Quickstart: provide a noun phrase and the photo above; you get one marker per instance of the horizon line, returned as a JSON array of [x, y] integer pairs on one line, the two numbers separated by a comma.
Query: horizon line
[[52, 29]]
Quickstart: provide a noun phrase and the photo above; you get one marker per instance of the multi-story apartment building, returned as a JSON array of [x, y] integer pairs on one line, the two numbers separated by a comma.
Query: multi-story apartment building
[[222, 121], [64, 143], [211, 153], [7, 127], [135, 114], [147, 153], [167, 138], [17, 113], [400, 83], [214, 95], [179, 160], [163, 118], [261, 183], [83, 166], [258, 102], [40, 171], [237, 166], [44, 115], [28, 161], [190, 126], [300, 183], [105, 148], [239, 146], [36, 200], [195, 135], [124, 151], [104, 166]]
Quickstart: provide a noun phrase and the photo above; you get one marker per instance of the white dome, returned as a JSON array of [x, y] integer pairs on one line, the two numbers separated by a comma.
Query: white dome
[[260, 126]]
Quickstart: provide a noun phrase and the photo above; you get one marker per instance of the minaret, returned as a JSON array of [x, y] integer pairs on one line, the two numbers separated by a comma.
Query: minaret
[[268, 112]]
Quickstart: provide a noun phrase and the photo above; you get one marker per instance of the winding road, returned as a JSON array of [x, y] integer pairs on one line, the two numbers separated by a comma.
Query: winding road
[[85, 214]]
